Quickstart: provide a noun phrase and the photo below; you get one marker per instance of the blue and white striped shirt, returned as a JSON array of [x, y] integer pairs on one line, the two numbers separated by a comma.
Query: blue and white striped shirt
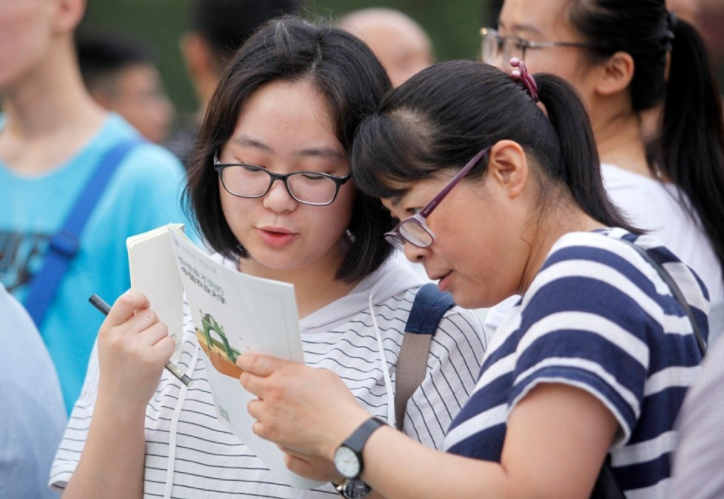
[[598, 317]]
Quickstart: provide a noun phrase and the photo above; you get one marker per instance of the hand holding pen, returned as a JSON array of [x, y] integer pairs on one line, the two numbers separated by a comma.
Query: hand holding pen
[[101, 305]]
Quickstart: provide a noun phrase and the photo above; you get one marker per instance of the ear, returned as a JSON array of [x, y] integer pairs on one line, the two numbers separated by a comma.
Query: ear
[[196, 54], [615, 75], [68, 15], [508, 167]]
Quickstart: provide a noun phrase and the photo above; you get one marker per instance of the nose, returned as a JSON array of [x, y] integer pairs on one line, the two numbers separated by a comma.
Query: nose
[[278, 198], [415, 254]]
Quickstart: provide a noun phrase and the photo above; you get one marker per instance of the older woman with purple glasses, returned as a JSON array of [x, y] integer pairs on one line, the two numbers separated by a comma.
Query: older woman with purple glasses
[[497, 185]]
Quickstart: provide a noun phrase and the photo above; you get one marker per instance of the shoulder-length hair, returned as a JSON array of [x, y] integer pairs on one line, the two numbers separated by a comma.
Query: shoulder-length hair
[[346, 73]]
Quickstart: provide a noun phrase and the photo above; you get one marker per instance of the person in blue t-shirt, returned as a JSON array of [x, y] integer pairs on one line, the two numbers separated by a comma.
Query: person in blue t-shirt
[[31, 406], [52, 138], [495, 178]]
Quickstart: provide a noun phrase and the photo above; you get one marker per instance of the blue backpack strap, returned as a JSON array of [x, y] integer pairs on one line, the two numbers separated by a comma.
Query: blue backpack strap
[[65, 244], [428, 309]]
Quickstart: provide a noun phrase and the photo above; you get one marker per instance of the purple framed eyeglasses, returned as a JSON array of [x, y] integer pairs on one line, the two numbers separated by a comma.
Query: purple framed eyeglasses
[[413, 229]]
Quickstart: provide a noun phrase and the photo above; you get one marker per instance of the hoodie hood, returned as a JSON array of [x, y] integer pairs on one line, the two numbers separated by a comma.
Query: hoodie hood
[[392, 278]]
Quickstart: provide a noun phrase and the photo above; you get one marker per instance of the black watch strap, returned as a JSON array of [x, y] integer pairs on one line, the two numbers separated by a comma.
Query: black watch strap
[[357, 440]]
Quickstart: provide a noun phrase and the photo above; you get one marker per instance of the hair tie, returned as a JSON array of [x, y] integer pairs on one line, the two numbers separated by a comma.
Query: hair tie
[[522, 75]]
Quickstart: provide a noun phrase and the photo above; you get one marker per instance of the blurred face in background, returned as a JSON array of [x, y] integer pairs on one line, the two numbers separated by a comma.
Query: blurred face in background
[[547, 21], [399, 43], [26, 32], [402, 52], [136, 93]]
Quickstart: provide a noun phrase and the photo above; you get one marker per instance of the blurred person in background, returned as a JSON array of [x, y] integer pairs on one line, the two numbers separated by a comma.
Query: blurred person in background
[[401, 45], [697, 463], [31, 406], [624, 58], [122, 77], [217, 28], [55, 142]]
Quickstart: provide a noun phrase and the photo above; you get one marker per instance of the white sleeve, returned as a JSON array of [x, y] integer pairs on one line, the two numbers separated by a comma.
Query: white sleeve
[[76, 433], [456, 353]]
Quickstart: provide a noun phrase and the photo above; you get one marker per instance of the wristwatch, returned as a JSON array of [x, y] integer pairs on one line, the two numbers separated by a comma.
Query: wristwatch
[[348, 456], [353, 489]]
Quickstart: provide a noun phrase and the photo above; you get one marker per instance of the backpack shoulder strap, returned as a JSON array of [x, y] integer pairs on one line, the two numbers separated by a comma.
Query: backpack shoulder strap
[[428, 308], [675, 291], [65, 244]]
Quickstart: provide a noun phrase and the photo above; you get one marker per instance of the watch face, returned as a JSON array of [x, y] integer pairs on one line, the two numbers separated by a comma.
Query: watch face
[[346, 462]]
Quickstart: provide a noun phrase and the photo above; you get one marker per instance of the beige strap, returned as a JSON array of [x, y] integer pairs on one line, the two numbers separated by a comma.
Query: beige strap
[[411, 370]]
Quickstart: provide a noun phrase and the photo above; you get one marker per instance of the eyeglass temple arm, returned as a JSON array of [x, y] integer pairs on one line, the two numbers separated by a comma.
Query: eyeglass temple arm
[[425, 211]]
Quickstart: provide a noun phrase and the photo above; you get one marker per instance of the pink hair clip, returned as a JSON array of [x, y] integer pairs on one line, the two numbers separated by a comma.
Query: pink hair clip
[[522, 75]]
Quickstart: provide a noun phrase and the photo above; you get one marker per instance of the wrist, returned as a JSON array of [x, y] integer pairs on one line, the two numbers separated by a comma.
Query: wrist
[[123, 412], [348, 459], [351, 423]]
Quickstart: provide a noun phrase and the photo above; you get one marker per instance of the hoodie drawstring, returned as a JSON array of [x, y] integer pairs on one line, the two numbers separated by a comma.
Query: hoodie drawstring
[[174, 427], [391, 420]]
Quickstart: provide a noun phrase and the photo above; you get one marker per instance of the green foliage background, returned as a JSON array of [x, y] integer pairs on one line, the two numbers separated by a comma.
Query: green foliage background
[[453, 26]]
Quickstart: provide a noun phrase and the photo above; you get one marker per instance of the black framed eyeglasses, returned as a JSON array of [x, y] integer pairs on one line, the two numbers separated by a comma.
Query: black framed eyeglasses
[[249, 181], [414, 229], [496, 48]]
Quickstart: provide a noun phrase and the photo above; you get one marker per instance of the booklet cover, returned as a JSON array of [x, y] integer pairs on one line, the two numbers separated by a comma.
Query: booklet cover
[[155, 274], [233, 313]]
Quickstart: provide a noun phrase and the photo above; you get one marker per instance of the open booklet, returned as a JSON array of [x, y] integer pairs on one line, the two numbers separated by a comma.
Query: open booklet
[[232, 313]]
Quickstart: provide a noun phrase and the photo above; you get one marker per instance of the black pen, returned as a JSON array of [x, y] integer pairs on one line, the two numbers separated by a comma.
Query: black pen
[[101, 305]]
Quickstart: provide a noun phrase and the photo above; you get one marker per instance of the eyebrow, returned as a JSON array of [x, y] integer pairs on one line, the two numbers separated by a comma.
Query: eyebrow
[[313, 152], [254, 144], [396, 200]]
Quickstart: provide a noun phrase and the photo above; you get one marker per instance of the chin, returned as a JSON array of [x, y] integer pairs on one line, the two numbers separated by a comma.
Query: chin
[[468, 302], [468, 298]]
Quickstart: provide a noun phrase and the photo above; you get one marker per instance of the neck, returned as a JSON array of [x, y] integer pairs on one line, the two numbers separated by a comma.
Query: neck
[[314, 285], [543, 234], [619, 138], [50, 116]]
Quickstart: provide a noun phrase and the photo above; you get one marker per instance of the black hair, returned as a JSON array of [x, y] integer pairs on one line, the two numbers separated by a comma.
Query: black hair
[[689, 149], [102, 56], [446, 114], [346, 73], [227, 24], [491, 12]]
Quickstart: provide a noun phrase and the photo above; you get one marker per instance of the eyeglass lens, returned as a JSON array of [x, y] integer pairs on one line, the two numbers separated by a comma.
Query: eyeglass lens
[[496, 48], [413, 232], [249, 181]]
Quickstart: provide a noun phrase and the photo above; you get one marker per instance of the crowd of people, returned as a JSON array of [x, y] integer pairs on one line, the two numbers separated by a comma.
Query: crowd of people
[[569, 183]]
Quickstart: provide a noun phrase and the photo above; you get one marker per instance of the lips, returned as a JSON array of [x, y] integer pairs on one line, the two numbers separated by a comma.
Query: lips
[[276, 237], [443, 281]]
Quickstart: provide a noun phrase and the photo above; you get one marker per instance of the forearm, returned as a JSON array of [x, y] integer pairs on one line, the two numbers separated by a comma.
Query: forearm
[[112, 463], [399, 467], [556, 440]]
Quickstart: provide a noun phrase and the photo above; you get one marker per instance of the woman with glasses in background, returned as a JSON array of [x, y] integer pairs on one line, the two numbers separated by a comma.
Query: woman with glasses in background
[[625, 58], [270, 187]]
